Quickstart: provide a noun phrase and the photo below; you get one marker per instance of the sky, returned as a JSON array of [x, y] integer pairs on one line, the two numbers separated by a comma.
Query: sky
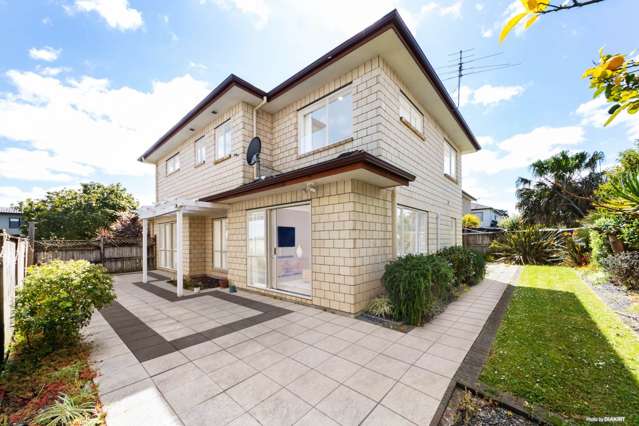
[[87, 85]]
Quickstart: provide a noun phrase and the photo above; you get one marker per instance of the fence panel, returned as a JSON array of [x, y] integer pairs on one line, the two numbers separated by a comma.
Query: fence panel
[[13, 258], [124, 255], [479, 241]]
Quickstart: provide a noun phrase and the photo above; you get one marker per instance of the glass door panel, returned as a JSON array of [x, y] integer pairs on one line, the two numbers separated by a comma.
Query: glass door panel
[[291, 242], [256, 249]]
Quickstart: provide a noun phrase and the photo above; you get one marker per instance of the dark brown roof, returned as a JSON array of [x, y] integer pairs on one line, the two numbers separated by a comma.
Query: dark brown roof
[[391, 20], [343, 163]]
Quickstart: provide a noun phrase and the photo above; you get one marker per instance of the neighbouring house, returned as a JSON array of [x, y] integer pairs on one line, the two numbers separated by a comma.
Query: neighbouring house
[[467, 201], [10, 220], [360, 162], [488, 216]]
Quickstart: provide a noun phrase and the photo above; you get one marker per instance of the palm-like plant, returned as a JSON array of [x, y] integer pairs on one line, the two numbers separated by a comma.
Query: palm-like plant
[[561, 189], [530, 246], [624, 194]]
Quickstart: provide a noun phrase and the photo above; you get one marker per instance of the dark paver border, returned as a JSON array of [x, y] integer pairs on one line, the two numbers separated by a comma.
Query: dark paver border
[[146, 344]]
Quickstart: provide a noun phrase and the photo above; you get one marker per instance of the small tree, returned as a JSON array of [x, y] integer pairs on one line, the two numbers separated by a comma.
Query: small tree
[[77, 214], [470, 221]]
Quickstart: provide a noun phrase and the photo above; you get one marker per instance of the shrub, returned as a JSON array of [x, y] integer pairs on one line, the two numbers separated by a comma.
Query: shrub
[[469, 267], [530, 246], [576, 249], [58, 299], [414, 282], [470, 221], [381, 307], [512, 223], [599, 247], [623, 269]]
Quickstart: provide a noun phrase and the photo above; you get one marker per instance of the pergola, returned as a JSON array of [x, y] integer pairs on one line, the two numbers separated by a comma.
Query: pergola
[[178, 207]]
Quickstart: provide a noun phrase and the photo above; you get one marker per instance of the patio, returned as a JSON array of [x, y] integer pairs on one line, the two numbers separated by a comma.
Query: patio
[[246, 359]]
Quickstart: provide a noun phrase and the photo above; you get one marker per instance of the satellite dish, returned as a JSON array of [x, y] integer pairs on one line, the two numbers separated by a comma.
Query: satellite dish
[[253, 151]]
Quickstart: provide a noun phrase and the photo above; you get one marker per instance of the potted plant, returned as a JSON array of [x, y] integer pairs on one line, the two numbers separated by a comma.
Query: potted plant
[[232, 288]]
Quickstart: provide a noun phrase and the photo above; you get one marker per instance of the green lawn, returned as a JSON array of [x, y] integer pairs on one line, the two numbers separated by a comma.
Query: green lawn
[[561, 348]]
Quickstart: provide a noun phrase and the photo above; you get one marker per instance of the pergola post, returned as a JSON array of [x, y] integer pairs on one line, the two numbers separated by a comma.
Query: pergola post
[[179, 255], [145, 248]]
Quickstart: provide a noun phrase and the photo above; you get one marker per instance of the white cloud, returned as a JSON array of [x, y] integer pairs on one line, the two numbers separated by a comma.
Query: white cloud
[[352, 16], [12, 194], [486, 32], [52, 71], [488, 94], [46, 20], [86, 123], [595, 113], [485, 140], [41, 166], [479, 7], [117, 13], [46, 53], [522, 149], [500, 197], [513, 9], [198, 66]]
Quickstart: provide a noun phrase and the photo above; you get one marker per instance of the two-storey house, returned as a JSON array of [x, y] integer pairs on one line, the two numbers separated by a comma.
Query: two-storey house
[[360, 163]]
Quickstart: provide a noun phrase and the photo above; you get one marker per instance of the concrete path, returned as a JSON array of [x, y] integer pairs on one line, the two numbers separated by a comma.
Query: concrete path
[[245, 359]]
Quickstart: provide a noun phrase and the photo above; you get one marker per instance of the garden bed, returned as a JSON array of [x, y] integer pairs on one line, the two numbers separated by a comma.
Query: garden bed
[[204, 282], [32, 385], [624, 302]]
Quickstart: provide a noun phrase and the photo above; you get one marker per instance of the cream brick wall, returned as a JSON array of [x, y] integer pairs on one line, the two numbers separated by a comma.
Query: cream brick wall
[[351, 234]]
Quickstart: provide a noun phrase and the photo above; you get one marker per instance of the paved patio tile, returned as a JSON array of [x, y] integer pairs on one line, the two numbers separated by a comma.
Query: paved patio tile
[[215, 361], [285, 371], [332, 344], [245, 349], [232, 374], [316, 418], [311, 356], [411, 404], [303, 365], [358, 354], [388, 366], [221, 408], [382, 416], [346, 406], [369, 383], [164, 363], [338, 368], [252, 391], [282, 408], [200, 350], [402, 353], [312, 387], [264, 359], [186, 396], [431, 384]]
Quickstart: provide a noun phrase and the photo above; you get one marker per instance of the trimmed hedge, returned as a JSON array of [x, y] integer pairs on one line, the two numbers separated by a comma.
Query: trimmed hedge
[[469, 266], [58, 299], [414, 284]]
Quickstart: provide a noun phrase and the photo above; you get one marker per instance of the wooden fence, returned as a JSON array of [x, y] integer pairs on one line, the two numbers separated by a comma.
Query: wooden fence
[[116, 255], [479, 240], [13, 265]]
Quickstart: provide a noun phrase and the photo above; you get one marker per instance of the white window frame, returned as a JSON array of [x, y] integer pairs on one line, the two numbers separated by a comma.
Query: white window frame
[[321, 103], [450, 160], [223, 139], [410, 113], [220, 244], [167, 245], [173, 164], [200, 150], [420, 231]]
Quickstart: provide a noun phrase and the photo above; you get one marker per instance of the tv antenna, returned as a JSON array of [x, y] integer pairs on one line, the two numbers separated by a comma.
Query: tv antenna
[[457, 66]]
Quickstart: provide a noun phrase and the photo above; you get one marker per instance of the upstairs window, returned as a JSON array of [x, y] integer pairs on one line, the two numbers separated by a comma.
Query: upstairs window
[[200, 151], [173, 164], [327, 121], [223, 142], [450, 161], [409, 113]]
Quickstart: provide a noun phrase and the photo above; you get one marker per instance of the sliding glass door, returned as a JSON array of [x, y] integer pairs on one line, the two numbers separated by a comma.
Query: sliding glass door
[[279, 249]]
